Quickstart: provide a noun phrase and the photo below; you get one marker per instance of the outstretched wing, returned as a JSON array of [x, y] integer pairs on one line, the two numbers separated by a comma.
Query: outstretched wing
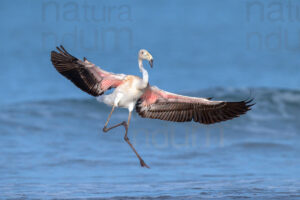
[[84, 74], [158, 104]]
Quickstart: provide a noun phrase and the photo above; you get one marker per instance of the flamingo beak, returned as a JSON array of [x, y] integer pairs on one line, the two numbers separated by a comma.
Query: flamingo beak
[[151, 62]]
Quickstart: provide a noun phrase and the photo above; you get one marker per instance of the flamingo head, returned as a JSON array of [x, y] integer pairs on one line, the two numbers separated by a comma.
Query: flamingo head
[[145, 55]]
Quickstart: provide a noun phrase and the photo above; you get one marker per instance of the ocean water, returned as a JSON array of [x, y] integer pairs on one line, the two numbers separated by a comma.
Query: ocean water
[[51, 140]]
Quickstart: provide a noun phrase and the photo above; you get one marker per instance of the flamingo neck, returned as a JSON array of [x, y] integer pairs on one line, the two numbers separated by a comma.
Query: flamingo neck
[[144, 72]]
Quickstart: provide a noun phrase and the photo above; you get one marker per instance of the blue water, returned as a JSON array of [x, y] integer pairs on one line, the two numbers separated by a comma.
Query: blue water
[[51, 140]]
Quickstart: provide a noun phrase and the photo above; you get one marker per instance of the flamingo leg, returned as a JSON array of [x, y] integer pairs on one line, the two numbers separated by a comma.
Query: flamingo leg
[[105, 129], [143, 164], [126, 125]]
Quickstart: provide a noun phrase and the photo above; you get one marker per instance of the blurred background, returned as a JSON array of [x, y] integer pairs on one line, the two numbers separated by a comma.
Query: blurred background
[[51, 140]]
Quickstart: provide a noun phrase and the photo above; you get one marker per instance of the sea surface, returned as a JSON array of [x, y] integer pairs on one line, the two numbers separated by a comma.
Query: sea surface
[[51, 140]]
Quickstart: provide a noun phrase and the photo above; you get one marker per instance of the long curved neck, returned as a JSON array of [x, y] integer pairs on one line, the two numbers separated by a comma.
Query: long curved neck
[[145, 73]]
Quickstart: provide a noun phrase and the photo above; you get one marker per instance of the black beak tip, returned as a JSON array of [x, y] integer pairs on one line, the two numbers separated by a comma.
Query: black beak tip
[[151, 63]]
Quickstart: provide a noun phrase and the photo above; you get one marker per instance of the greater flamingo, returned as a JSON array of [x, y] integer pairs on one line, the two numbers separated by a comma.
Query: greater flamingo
[[135, 92]]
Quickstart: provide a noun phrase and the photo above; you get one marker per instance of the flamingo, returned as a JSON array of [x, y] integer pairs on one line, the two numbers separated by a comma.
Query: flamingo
[[134, 92]]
